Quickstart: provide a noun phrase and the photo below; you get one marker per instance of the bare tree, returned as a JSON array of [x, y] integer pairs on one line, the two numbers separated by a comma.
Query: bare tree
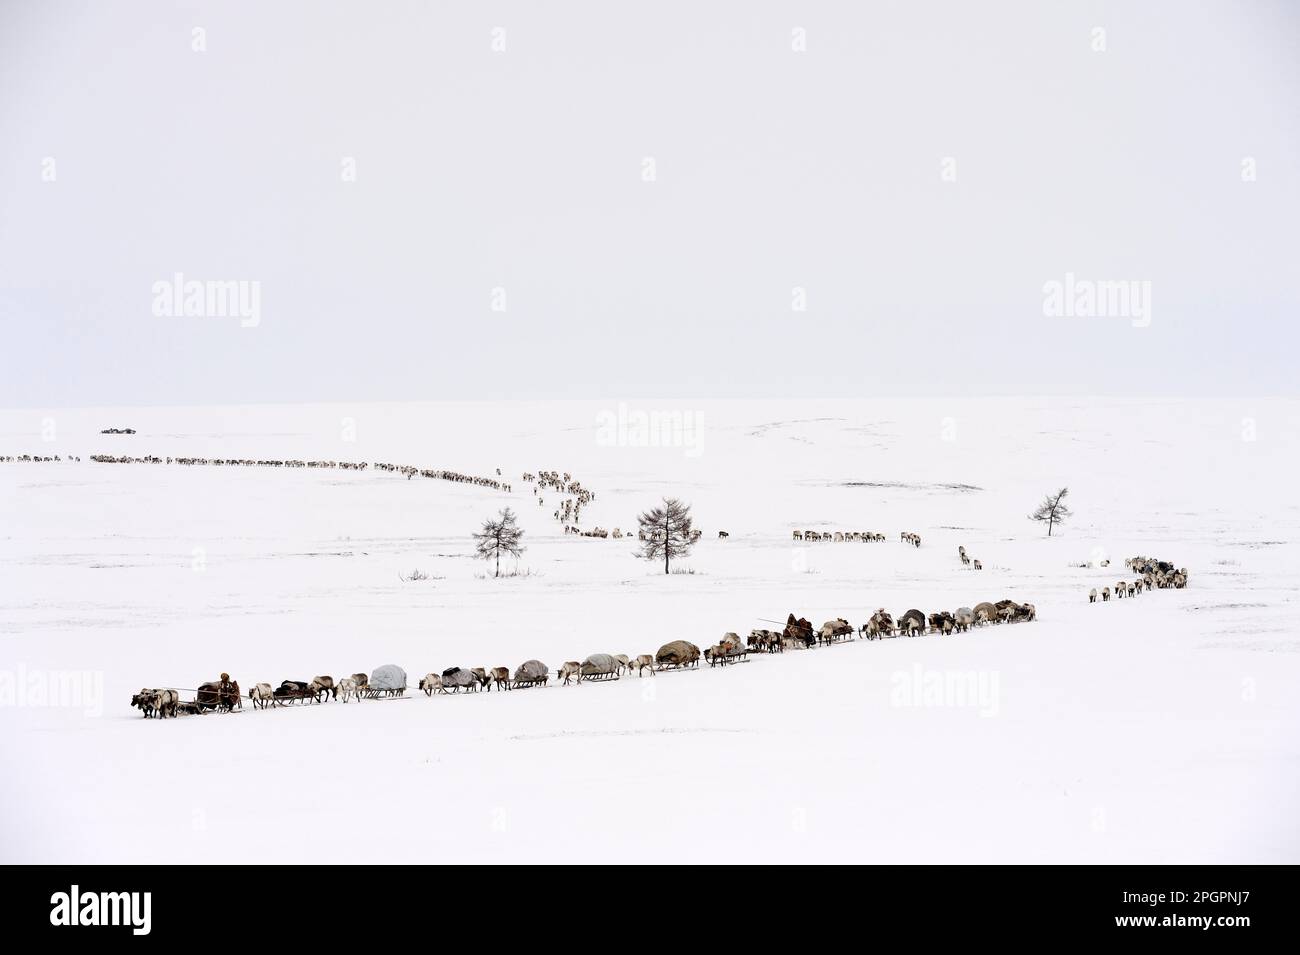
[[667, 531], [1052, 510], [499, 536]]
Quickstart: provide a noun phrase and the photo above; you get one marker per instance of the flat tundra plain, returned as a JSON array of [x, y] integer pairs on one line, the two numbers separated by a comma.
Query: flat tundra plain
[[1159, 729]]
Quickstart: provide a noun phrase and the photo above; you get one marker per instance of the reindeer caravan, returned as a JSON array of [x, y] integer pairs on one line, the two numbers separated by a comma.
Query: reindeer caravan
[[914, 623], [389, 681], [799, 634], [473, 679], [223, 695]]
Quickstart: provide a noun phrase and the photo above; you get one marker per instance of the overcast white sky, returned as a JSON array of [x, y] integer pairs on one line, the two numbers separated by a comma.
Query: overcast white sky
[[523, 170]]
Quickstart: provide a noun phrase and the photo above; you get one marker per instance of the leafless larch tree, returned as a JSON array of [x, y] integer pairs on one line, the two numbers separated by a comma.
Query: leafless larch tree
[[667, 532], [500, 536], [1053, 510]]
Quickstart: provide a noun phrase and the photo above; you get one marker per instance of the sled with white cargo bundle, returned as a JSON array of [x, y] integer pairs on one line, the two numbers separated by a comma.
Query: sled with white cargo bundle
[[387, 681]]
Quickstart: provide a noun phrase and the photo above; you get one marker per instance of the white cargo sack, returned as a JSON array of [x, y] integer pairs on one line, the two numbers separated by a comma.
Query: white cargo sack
[[388, 677]]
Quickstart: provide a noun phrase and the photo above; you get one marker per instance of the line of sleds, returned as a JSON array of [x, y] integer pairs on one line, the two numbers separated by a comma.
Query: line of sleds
[[473, 679], [389, 681], [682, 654], [385, 682], [221, 696], [799, 634]]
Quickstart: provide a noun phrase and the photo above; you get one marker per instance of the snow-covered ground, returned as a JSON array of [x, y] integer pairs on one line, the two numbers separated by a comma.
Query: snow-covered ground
[[1162, 729]]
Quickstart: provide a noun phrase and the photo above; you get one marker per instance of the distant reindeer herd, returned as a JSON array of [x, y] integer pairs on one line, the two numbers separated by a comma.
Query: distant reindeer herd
[[1154, 575], [618, 534], [570, 509], [409, 471], [866, 537], [34, 458], [838, 536]]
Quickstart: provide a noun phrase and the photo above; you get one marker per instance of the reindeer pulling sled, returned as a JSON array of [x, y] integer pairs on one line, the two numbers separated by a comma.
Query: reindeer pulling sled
[[798, 633], [386, 682], [531, 673], [599, 667], [677, 655], [728, 650], [292, 691], [221, 695], [765, 641], [835, 631]]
